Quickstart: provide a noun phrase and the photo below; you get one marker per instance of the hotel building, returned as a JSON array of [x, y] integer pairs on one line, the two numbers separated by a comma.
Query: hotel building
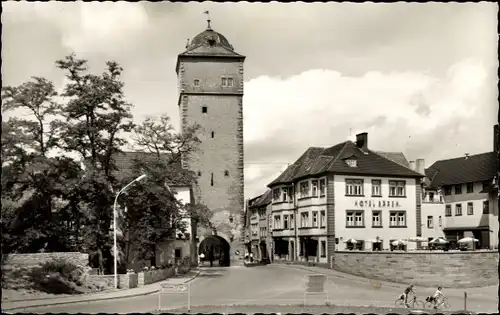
[[470, 188], [346, 192]]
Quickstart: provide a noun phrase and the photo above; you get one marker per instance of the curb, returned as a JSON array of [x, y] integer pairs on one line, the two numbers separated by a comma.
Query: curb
[[354, 278], [93, 299]]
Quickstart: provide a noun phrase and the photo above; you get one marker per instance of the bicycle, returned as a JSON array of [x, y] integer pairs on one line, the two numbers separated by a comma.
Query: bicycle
[[443, 305], [413, 302]]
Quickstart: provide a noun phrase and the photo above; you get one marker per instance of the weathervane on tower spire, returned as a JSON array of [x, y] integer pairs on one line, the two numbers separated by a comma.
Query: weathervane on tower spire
[[208, 19]]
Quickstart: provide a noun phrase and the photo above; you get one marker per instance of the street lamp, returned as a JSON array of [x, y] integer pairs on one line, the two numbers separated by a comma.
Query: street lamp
[[114, 227]]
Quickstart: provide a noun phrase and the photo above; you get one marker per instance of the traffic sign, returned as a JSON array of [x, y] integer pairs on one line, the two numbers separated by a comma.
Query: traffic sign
[[177, 288], [172, 288]]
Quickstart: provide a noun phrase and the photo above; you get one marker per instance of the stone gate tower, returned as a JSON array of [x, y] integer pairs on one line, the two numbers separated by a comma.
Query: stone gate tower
[[210, 79]]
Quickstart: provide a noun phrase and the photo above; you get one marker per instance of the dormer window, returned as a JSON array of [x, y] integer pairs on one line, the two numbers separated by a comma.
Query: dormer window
[[211, 42], [351, 162], [196, 82]]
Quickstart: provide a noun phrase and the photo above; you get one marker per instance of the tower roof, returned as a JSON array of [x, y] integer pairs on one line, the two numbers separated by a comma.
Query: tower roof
[[209, 43]]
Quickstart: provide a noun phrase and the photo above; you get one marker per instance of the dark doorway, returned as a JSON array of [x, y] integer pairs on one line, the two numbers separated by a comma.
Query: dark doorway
[[216, 251]]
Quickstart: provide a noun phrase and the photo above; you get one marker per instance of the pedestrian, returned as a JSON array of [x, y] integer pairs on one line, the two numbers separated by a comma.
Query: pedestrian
[[251, 257], [211, 256]]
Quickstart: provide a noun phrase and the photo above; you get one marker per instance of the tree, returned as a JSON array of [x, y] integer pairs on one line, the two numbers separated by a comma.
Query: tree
[[154, 215], [32, 181], [96, 116]]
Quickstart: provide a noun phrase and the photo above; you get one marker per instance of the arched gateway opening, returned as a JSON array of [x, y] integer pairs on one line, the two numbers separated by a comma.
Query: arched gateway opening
[[216, 251]]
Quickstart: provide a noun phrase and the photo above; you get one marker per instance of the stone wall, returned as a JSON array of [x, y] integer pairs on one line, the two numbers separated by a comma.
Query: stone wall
[[428, 269], [106, 282], [31, 260], [152, 276]]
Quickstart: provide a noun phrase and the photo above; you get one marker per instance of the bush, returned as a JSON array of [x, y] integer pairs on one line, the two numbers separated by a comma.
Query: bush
[[57, 276]]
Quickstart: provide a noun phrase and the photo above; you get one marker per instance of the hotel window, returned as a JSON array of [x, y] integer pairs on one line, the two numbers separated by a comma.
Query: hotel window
[[230, 82], [322, 218], [377, 218], [304, 219], [354, 218], [224, 82], [322, 187], [486, 184], [458, 189], [304, 189], [458, 209], [284, 193], [323, 248], [376, 188], [314, 185], [396, 188], [204, 109], [470, 208], [351, 162], [315, 219], [470, 188], [354, 187], [276, 194], [277, 222], [448, 211], [440, 221], [447, 190], [397, 218], [285, 221], [486, 207], [196, 82], [430, 222], [292, 222]]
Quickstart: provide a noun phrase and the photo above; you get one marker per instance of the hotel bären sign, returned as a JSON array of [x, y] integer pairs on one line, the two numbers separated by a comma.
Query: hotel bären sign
[[376, 204]]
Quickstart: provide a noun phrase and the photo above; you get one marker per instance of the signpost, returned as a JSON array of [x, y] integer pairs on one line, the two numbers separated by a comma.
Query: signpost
[[315, 285], [182, 288]]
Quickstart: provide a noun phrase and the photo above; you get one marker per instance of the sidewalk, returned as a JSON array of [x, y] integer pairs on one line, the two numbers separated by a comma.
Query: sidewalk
[[125, 293], [357, 279]]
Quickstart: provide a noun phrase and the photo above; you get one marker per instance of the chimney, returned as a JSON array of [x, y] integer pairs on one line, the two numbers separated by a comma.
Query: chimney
[[495, 138], [412, 165], [420, 166], [362, 141]]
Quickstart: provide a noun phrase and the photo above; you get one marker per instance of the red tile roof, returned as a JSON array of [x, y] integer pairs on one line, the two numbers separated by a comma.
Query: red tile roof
[[124, 162], [475, 168], [316, 161], [262, 200]]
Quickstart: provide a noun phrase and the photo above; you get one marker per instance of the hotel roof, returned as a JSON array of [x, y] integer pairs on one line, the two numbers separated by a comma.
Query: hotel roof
[[474, 168], [316, 161]]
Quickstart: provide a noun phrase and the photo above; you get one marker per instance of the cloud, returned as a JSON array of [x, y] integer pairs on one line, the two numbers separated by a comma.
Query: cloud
[[402, 111]]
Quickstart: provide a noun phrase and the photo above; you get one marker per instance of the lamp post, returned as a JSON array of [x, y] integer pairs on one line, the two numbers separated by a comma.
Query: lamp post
[[114, 228]]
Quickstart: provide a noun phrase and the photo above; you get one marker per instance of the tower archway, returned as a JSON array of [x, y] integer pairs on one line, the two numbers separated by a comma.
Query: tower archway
[[217, 248]]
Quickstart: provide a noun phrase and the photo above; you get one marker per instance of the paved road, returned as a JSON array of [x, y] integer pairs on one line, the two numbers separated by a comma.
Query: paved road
[[272, 284]]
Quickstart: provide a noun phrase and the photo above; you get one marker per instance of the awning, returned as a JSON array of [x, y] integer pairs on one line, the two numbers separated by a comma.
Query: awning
[[467, 228]]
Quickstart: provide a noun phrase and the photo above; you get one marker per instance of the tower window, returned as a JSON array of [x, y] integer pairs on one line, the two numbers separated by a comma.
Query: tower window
[[212, 179], [226, 173], [196, 82], [204, 109], [213, 134]]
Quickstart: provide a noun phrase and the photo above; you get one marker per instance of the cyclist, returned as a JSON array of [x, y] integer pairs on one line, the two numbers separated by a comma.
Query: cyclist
[[405, 294], [438, 296]]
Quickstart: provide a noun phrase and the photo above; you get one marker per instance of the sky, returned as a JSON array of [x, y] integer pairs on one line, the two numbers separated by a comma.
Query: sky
[[419, 78]]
